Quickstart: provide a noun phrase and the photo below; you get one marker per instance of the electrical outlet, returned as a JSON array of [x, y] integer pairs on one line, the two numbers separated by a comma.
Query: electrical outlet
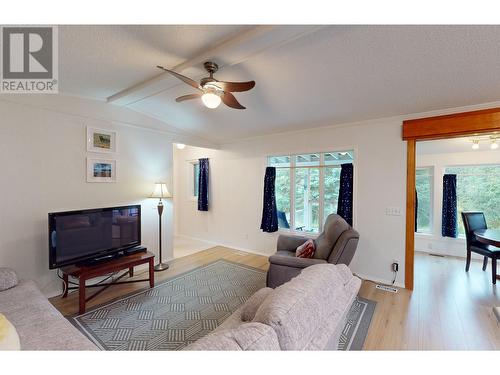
[[395, 266]]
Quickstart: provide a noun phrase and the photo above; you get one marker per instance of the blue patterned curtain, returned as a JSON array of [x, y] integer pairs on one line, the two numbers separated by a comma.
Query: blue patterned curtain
[[269, 221], [449, 219], [203, 185], [344, 207]]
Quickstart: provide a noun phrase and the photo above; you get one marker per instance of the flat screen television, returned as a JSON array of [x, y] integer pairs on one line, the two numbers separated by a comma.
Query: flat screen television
[[77, 236]]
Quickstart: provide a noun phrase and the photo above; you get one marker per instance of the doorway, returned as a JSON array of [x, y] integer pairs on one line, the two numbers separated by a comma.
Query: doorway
[[431, 128]]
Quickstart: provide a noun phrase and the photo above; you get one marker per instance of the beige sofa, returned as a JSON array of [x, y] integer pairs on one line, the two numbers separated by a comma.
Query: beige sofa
[[306, 313], [39, 325]]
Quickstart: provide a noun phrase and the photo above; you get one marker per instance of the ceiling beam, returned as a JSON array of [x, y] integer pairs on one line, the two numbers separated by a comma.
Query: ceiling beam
[[231, 51], [240, 37]]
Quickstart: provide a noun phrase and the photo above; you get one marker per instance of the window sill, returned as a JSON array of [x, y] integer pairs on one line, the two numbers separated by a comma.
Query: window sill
[[297, 233], [432, 237], [423, 234]]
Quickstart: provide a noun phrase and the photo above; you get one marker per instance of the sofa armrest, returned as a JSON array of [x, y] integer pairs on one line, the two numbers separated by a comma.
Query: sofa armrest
[[8, 278], [289, 243], [292, 261]]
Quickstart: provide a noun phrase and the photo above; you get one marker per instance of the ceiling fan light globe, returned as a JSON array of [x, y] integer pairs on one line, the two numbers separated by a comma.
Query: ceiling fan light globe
[[211, 100]]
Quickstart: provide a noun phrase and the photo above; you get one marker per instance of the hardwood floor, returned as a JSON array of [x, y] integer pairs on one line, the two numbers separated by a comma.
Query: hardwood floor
[[449, 309]]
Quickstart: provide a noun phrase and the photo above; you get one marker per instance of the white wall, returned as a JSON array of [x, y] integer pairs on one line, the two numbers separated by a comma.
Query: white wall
[[43, 169], [435, 243], [237, 174]]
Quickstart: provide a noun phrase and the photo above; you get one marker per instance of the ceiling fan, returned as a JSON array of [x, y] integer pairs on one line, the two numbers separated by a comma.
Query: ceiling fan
[[211, 90]]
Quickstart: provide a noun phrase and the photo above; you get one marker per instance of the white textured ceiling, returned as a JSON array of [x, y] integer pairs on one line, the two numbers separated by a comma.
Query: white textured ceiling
[[332, 75]]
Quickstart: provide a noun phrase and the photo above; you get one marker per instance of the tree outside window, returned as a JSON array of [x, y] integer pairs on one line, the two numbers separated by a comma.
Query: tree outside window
[[423, 184], [307, 188], [478, 189]]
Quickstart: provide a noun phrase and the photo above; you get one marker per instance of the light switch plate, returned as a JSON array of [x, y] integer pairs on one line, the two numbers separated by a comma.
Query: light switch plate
[[393, 211]]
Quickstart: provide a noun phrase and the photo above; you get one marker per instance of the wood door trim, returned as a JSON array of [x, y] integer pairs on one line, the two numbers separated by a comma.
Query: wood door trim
[[453, 125], [410, 212], [437, 127]]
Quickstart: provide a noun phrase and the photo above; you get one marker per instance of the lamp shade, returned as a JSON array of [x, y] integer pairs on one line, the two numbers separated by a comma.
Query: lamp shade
[[160, 191]]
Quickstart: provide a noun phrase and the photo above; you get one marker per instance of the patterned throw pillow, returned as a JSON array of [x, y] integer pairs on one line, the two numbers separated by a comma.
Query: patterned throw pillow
[[306, 250]]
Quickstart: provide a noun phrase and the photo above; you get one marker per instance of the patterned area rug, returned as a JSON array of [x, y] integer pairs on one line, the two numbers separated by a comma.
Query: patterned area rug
[[185, 308], [358, 322]]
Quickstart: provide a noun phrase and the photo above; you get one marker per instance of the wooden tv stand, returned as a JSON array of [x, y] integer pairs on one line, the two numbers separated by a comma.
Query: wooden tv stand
[[86, 272]]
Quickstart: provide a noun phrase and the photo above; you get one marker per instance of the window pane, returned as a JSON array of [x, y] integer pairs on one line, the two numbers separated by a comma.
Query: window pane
[[339, 157], [196, 172], [279, 161], [307, 160], [307, 199], [478, 189], [282, 187], [423, 184], [332, 184]]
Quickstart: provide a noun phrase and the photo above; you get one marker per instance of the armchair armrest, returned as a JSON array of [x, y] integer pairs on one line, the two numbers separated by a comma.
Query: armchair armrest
[[291, 261], [289, 243], [8, 278]]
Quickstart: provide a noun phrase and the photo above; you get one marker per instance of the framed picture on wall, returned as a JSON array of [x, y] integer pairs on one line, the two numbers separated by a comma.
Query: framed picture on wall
[[101, 140], [101, 170]]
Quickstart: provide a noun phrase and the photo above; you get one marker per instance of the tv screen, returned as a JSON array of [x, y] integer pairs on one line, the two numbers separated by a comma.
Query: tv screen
[[76, 236]]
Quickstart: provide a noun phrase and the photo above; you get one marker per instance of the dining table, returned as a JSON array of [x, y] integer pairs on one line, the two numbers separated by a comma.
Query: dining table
[[489, 237]]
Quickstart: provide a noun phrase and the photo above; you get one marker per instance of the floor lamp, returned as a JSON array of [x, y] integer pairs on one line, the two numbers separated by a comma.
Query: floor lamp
[[160, 191]]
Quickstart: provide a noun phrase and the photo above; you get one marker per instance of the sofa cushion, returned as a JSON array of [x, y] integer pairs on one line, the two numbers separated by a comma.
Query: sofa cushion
[[298, 310], [251, 305], [288, 258], [247, 336], [9, 339], [8, 278], [39, 325], [333, 228]]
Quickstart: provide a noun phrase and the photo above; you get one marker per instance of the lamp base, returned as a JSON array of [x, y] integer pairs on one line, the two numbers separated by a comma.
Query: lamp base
[[161, 267]]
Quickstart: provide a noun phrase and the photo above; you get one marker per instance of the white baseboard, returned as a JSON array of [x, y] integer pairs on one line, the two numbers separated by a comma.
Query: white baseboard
[[251, 251], [197, 239], [245, 250], [379, 280], [223, 244]]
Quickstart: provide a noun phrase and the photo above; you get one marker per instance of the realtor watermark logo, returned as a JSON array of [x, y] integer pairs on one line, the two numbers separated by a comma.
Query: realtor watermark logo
[[29, 60]]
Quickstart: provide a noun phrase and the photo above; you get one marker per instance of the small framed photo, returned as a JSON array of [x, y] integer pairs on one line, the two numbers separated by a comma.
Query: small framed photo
[[101, 170], [101, 140]]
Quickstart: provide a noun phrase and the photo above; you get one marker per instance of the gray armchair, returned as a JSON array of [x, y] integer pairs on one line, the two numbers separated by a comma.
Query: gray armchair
[[336, 244]]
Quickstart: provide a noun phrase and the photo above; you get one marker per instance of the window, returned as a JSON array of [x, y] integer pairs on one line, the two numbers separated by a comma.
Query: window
[[194, 174], [478, 189], [423, 183], [307, 188]]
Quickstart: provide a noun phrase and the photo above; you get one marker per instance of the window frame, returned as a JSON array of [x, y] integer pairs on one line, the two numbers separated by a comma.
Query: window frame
[[321, 168], [191, 179], [461, 236], [432, 175]]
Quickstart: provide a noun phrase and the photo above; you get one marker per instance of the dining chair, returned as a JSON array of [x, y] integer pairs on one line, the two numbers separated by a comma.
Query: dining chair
[[474, 221]]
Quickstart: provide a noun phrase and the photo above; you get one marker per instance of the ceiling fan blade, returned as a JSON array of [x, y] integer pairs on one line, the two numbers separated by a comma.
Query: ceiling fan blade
[[185, 79], [231, 101], [236, 86], [188, 97]]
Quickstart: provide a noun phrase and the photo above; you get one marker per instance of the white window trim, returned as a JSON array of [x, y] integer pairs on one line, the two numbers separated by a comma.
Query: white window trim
[[190, 184], [321, 166], [431, 217]]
